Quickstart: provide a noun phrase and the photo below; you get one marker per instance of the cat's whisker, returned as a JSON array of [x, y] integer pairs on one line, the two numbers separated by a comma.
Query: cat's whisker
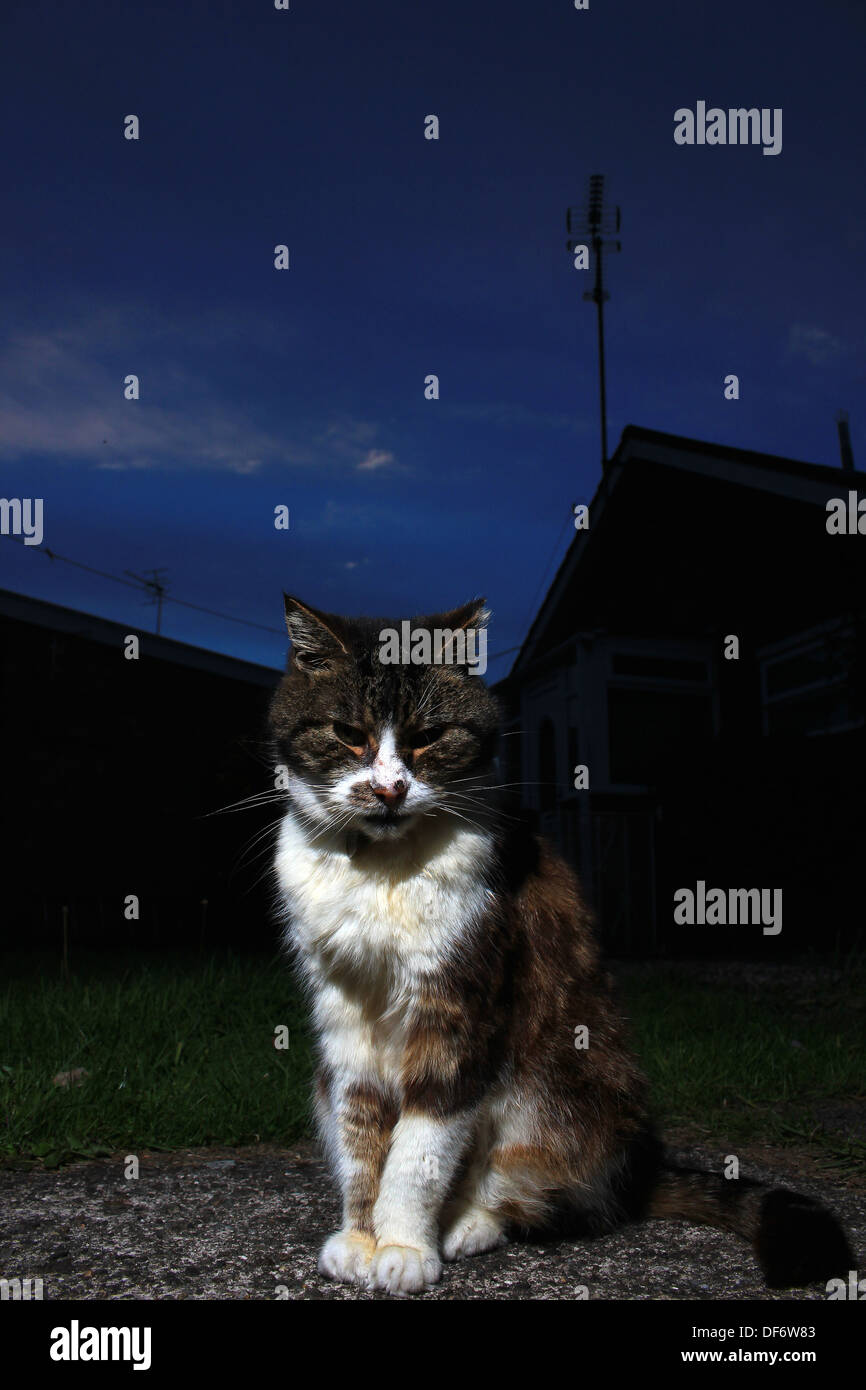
[[468, 800], [500, 786], [489, 813], [452, 811], [426, 693], [256, 799], [336, 823], [246, 857], [263, 834], [476, 781]]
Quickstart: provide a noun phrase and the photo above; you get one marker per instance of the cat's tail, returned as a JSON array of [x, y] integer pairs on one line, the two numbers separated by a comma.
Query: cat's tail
[[797, 1241]]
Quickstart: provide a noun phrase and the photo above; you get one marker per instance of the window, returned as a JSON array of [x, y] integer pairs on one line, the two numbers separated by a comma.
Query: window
[[659, 704], [807, 683]]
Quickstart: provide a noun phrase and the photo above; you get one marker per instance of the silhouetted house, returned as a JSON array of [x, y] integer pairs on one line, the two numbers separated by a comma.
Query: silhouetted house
[[110, 770], [740, 772]]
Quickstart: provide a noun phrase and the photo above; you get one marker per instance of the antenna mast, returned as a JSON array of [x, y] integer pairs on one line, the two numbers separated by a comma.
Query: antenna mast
[[594, 223], [156, 587]]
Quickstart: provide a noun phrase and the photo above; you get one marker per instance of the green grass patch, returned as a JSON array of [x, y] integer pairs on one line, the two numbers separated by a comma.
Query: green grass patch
[[177, 1053], [753, 1062]]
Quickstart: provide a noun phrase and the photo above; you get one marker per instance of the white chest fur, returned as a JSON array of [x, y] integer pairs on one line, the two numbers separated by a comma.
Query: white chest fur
[[388, 914]]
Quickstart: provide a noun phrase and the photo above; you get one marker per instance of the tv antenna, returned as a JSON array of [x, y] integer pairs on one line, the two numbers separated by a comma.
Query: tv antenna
[[156, 587], [601, 227]]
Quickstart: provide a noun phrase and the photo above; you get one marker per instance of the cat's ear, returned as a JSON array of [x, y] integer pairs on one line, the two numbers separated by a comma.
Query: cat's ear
[[470, 618], [474, 614], [317, 638]]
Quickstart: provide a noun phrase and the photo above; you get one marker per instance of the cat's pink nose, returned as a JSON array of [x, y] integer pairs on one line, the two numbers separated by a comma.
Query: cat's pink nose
[[391, 794]]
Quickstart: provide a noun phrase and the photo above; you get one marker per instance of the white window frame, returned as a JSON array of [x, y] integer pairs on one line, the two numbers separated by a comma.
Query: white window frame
[[811, 639]]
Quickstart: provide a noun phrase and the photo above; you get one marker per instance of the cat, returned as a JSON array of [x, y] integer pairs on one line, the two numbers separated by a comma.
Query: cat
[[449, 958]]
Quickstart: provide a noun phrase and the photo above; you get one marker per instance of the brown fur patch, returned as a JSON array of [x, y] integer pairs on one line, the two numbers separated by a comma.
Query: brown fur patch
[[709, 1200], [367, 1117], [531, 1158]]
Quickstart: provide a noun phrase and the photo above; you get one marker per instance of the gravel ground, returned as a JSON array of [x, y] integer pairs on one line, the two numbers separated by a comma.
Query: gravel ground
[[247, 1224]]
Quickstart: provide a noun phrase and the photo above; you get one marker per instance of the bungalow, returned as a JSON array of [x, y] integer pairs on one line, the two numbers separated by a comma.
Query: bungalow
[[111, 770], [688, 704]]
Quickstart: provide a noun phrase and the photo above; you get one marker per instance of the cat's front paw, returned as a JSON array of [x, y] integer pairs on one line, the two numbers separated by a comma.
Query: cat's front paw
[[346, 1257], [475, 1231], [404, 1269]]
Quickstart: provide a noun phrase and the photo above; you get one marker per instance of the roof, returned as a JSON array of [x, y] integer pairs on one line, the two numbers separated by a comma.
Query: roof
[[769, 474], [55, 618]]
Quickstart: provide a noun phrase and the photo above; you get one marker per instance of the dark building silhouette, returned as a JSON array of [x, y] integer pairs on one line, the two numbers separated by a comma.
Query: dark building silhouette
[[740, 773], [110, 770]]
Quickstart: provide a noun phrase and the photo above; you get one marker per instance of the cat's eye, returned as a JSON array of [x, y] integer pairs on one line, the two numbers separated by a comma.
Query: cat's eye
[[424, 737], [353, 738]]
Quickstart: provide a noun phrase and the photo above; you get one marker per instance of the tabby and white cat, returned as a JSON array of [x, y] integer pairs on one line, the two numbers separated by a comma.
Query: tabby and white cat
[[449, 958]]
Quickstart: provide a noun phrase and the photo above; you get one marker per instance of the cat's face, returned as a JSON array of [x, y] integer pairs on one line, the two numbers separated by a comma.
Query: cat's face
[[372, 745]]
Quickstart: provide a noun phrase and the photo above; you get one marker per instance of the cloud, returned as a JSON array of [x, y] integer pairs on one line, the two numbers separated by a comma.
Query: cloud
[[62, 396], [347, 435], [59, 397], [352, 439], [375, 459], [815, 344]]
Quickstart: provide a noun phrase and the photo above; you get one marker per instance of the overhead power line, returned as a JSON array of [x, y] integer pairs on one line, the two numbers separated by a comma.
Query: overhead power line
[[156, 587], [147, 586], [144, 586]]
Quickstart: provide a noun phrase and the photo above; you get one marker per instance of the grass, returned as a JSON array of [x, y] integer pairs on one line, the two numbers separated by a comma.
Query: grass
[[753, 1063], [180, 1052]]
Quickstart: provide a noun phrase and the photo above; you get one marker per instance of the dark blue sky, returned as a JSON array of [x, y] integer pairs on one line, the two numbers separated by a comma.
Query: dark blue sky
[[408, 257]]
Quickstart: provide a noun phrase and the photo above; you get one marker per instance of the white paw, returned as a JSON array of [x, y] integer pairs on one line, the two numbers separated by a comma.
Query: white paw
[[472, 1233], [346, 1257], [404, 1268]]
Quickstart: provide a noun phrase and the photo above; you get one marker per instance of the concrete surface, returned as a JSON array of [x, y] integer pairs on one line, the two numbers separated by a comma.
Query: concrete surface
[[248, 1223]]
